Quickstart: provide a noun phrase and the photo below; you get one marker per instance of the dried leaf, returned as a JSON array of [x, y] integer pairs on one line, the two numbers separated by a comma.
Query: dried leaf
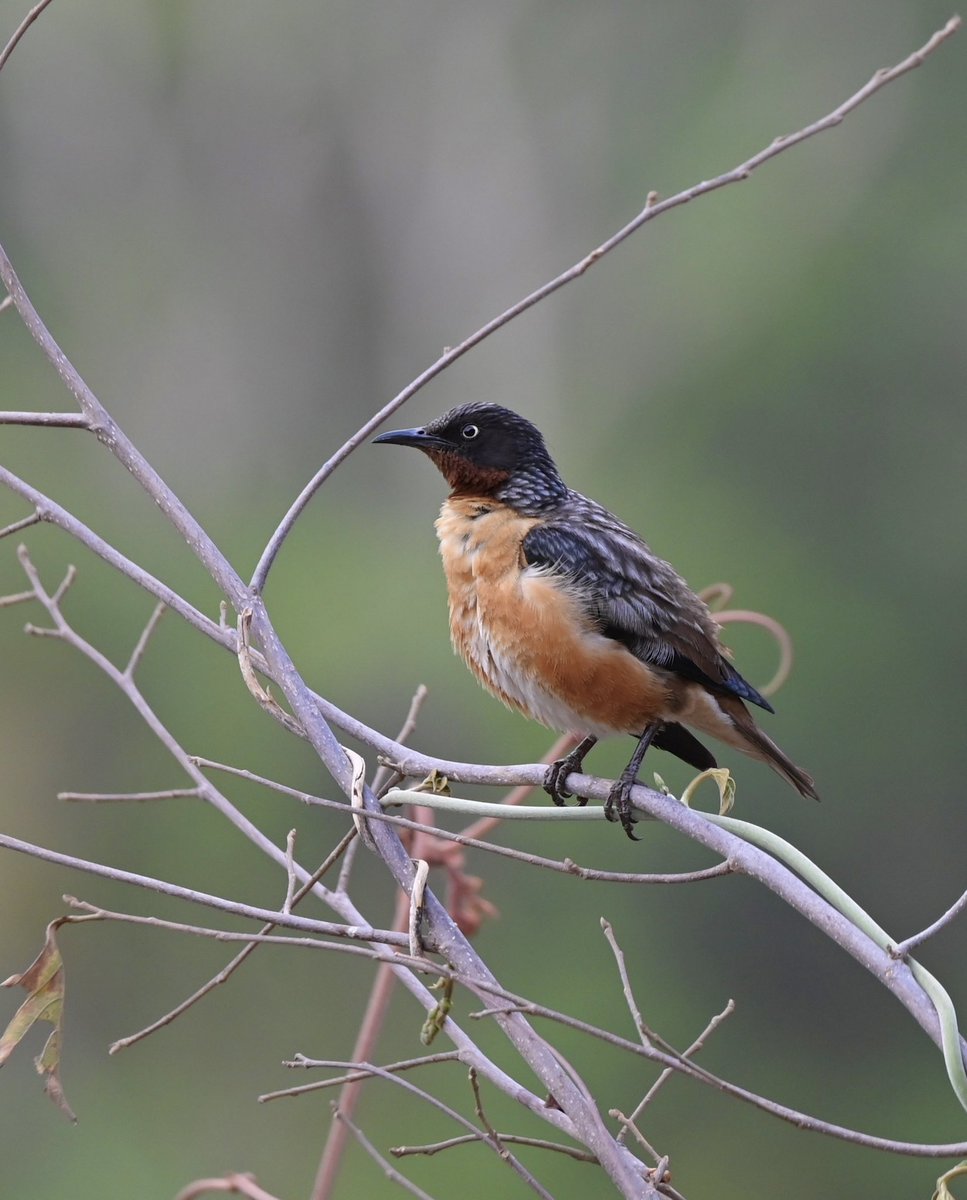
[[943, 1192], [723, 781], [44, 982]]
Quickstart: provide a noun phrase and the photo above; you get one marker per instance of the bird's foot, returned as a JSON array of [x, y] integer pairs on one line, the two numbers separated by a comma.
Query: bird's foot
[[618, 805], [559, 770]]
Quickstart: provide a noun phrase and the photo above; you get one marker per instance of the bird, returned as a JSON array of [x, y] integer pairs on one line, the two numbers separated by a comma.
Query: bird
[[566, 615]]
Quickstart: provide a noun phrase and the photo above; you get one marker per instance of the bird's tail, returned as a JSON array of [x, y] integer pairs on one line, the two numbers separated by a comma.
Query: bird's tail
[[753, 741]]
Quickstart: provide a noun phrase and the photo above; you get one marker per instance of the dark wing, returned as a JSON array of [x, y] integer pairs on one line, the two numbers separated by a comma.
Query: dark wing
[[634, 596]]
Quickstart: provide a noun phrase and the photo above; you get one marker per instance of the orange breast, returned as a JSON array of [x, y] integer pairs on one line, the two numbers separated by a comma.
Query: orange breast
[[524, 633]]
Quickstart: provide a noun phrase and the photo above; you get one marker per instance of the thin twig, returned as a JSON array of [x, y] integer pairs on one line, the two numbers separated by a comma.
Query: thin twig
[[385, 1165], [65, 584], [565, 866], [23, 523], [479, 829], [142, 643], [383, 772], [230, 968], [495, 1140], [515, 1139], [647, 1035], [367, 1038], [628, 1126], [235, 907], [48, 511], [677, 1062], [697, 1045], [902, 949], [653, 208], [779, 632], [128, 797], [21, 30], [354, 1075], [238, 1183], [62, 420], [16, 598], [428, 1098], [97, 912]]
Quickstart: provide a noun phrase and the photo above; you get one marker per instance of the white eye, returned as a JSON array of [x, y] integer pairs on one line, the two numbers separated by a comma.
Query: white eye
[[469, 432]]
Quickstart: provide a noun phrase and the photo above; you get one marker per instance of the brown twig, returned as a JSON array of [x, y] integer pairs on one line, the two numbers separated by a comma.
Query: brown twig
[[238, 1183]]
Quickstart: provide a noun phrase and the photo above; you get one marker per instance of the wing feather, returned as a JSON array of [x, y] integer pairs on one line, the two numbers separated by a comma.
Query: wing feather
[[635, 597]]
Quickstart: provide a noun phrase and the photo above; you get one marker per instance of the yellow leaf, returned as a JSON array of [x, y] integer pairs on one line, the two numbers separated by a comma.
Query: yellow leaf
[[943, 1192], [723, 781]]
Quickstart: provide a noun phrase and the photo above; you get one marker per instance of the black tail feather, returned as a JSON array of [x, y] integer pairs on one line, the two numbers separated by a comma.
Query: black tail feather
[[675, 739]]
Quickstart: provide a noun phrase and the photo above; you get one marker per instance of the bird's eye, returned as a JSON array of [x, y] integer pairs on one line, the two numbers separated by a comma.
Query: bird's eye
[[469, 432]]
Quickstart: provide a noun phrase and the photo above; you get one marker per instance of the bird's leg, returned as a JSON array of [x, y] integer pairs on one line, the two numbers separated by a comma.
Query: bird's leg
[[560, 768], [618, 805]]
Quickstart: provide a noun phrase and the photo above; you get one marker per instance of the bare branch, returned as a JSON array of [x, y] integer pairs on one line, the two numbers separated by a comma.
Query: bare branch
[[142, 643], [406, 729], [96, 912], [653, 208], [127, 797], [902, 949], [109, 433], [238, 1183], [48, 511], [16, 598], [357, 1074], [49, 419], [385, 1165], [565, 866], [697, 1045], [503, 1153], [235, 907], [648, 1036], [21, 30], [227, 971], [367, 1037], [678, 1062], [64, 584], [514, 1139], [23, 523], [382, 1073]]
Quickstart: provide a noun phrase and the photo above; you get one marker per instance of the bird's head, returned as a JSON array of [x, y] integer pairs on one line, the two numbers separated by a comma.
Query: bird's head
[[487, 450]]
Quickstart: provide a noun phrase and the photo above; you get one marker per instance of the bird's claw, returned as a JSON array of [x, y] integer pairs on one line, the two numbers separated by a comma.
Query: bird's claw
[[618, 806], [557, 772]]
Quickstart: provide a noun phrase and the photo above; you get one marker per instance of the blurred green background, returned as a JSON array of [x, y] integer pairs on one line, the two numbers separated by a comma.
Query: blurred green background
[[250, 226]]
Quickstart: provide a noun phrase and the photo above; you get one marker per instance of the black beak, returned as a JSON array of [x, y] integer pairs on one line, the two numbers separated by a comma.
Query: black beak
[[412, 437]]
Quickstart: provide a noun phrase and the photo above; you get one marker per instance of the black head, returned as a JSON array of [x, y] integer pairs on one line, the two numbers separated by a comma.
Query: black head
[[485, 449]]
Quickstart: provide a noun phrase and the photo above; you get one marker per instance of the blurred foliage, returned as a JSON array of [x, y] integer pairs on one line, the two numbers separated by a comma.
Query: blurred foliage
[[249, 229]]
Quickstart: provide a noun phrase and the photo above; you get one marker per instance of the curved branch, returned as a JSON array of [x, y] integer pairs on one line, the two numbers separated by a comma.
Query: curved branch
[[653, 208]]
